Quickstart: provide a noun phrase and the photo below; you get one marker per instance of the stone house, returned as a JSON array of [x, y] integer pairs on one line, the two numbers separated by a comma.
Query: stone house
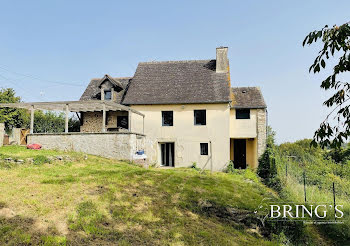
[[192, 115], [176, 112]]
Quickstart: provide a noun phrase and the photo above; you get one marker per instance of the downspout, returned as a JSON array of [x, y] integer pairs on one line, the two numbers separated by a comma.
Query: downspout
[[211, 157]]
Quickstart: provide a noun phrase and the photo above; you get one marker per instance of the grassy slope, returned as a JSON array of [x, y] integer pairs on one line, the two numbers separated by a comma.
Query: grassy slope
[[101, 201]]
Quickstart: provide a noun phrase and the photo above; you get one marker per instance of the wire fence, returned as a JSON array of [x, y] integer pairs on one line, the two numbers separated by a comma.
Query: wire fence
[[305, 183]]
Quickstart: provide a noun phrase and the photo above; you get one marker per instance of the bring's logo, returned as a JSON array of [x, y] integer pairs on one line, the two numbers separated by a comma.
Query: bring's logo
[[321, 213]]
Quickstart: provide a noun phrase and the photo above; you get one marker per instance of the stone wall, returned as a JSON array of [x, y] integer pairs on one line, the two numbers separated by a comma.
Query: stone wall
[[2, 133], [121, 146], [261, 131], [92, 121]]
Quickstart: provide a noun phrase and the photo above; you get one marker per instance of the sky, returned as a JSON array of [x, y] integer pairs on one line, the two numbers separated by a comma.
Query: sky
[[49, 50]]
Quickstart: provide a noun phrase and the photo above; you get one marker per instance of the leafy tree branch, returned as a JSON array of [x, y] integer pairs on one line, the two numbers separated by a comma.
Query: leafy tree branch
[[336, 45]]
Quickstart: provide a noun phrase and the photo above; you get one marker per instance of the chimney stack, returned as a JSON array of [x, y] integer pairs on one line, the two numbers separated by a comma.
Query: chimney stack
[[221, 60]]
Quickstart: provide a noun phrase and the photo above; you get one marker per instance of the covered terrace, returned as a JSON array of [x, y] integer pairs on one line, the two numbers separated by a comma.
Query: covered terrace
[[77, 107], [120, 145]]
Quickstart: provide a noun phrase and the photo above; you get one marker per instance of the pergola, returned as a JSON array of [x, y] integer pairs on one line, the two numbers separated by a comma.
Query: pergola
[[74, 106]]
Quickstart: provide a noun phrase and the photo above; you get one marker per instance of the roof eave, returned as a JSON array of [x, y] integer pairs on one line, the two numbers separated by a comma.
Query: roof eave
[[177, 103], [249, 107]]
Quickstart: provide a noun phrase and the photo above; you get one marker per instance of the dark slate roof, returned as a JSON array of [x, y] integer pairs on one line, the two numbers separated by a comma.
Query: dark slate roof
[[92, 91], [178, 82], [247, 97]]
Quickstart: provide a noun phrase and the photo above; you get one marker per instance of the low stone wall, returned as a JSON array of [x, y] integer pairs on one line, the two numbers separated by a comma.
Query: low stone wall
[[2, 133], [121, 145]]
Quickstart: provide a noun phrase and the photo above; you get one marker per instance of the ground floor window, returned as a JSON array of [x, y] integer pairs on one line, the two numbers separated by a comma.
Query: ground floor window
[[204, 148]]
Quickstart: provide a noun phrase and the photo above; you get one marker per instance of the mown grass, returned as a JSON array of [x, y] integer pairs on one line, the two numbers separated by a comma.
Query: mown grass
[[97, 201]]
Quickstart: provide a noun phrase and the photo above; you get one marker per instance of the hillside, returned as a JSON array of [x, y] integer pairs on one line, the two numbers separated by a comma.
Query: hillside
[[55, 198]]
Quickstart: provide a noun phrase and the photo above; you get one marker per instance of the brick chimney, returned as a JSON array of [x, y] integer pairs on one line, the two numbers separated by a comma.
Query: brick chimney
[[221, 60]]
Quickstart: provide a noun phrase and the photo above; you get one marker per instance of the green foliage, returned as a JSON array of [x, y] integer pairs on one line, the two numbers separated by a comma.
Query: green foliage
[[50, 122], [321, 170], [267, 169], [339, 155], [270, 141], [40, 159], [194, 166], [230, 167], [12, 117], [336, 44]]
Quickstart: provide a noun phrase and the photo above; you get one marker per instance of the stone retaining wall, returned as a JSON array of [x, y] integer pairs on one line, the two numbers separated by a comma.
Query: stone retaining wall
[[121, 146]]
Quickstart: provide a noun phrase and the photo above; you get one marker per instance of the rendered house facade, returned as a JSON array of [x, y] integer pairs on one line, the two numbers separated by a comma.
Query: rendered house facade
[[191, 113], [177, 112]]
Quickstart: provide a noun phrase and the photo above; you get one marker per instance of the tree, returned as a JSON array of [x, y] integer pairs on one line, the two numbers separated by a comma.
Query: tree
[[336, 46], [51, 122], [10, 116]]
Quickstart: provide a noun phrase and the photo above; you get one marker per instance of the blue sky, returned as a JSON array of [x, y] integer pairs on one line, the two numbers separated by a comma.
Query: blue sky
[[69, 42]]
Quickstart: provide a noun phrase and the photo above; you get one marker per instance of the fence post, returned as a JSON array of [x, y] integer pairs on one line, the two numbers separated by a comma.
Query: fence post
[[304, 185], [335, 218]]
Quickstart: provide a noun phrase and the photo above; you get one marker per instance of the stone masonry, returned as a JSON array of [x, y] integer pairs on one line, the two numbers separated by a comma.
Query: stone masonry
[[261, 130], [121, 146], [92, 121]]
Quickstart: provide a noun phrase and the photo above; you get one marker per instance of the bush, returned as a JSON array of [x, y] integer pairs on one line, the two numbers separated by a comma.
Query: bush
[[267, 170], [230, 167], [194, 166], [41, 159]]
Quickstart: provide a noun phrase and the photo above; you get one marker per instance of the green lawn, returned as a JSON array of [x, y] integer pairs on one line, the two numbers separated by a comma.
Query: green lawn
[[88, 200]]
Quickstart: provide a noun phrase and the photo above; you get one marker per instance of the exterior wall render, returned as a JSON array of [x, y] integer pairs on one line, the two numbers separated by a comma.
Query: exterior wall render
[[121, 146], [187, 136], [243, 128], [2, 133]]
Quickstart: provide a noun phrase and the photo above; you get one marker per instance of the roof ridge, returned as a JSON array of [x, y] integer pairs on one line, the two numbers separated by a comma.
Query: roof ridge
[[181, 61], [245, 87], [113, 78]]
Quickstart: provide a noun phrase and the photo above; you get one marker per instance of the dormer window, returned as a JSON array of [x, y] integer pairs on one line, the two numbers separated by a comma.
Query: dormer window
[[108, 95], [108, 86]]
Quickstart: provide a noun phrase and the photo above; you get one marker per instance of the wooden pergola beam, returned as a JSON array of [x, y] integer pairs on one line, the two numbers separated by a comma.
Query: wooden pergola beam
[[74, 106]]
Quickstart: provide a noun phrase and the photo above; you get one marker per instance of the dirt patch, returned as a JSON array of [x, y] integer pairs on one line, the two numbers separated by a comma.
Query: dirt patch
[[237, 217], [98, 190], [7, 213], [62, 227]]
